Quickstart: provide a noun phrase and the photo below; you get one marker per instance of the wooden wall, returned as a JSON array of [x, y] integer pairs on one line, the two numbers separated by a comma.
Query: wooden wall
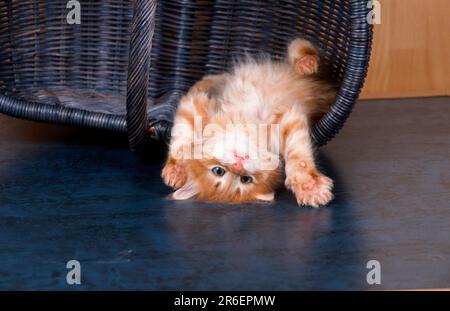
[[411, 50]]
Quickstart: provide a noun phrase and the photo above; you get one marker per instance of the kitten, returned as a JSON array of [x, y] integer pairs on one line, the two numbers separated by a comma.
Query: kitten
[[216, 153]]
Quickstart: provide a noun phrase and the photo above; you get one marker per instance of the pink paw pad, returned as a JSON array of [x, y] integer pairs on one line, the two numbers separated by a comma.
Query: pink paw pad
[[174, 175], [308, 64], [309, 185], [314, 191]]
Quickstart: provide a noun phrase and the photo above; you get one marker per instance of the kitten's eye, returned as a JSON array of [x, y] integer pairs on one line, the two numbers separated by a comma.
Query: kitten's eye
[[217, 170], [246, 179]]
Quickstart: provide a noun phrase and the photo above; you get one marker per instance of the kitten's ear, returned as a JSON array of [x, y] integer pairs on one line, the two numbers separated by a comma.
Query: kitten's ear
[[187, 191], [268, 197]]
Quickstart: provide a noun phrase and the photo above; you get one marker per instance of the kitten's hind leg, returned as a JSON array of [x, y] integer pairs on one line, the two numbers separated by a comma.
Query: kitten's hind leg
[[211, 85], [303, 57], [302, 177]]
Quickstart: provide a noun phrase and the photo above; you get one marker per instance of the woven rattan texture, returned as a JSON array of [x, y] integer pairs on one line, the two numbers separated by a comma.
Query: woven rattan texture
[[72, 68]]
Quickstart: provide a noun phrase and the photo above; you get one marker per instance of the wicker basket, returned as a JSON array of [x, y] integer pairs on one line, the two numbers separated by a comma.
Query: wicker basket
[[126, 65]]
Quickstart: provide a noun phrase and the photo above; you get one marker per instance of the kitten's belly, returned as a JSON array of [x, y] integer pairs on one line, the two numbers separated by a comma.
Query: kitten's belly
[[261, 114]]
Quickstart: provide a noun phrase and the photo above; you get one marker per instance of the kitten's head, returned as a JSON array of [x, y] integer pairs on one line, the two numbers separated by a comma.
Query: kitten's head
[[231, 168]]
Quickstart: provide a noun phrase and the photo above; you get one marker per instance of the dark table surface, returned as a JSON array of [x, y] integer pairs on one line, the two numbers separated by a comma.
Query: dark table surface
[[76, 194]]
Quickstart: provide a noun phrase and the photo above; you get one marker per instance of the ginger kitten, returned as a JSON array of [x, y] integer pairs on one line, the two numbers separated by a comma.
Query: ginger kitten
[[237, 135]]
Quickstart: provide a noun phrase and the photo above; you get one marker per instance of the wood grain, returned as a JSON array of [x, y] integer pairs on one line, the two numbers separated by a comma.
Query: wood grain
[[411, 50]]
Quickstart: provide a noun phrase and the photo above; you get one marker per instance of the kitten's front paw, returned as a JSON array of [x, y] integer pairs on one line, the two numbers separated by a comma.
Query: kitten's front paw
[[311, 189], [174, 175]]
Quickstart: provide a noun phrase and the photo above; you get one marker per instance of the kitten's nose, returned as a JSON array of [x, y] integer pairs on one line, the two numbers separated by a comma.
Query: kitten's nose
[[239, 163]]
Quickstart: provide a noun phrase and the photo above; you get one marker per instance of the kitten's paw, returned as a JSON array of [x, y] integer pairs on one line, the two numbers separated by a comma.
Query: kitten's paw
[[174, 175], [311, 189], [307, 65], [304, 57]]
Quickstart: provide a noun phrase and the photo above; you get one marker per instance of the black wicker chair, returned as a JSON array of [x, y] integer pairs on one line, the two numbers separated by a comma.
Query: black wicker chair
[[126, 65]]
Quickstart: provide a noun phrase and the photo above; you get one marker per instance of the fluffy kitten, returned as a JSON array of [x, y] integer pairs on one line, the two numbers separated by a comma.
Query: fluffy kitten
[[237, 135]]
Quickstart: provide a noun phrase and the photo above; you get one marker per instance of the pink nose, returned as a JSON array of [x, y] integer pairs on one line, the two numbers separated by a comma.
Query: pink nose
[[239, 165]]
